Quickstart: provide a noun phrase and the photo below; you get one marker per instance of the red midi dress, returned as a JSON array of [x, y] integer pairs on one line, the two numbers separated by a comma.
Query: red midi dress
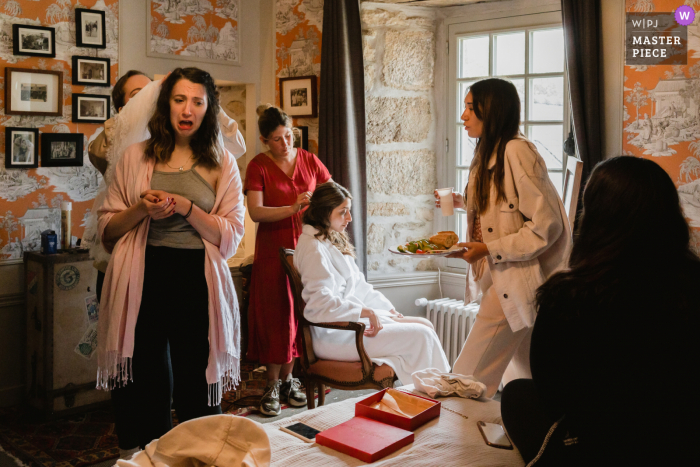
[[272, 326]]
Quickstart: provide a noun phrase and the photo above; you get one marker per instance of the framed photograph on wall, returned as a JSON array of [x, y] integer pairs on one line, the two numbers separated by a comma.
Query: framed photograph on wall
[[301, 137], [21, 148], [92, 71], [62, 149], [298, 96], [32, 92], [90, 108], [35, 41], [90, 28]]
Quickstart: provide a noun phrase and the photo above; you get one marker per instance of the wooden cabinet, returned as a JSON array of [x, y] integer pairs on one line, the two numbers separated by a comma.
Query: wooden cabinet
[[61, 333]]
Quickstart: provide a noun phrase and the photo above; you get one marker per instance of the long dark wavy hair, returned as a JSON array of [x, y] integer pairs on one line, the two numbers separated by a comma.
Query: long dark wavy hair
[[497, 105], [325, 199], [632, 231], [204, 144]]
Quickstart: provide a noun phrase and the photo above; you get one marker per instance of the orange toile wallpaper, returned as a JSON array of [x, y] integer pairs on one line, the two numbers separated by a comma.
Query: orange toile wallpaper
[[195, 29], [30, 199], [662, 113], [298, 26]]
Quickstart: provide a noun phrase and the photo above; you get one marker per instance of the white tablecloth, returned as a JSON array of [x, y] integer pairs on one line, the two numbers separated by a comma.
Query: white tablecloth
[[449, 440]]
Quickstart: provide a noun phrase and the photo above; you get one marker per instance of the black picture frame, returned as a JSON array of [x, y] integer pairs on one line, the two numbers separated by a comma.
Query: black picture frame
[[301, 137], [35, 48], [62, 149], [84, 66], [299, 96], [81, 114], [12, 160], [90, 28], [48, 102]]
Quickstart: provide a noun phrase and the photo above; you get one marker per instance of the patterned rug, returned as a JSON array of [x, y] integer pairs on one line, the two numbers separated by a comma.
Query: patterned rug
[[88, 438]]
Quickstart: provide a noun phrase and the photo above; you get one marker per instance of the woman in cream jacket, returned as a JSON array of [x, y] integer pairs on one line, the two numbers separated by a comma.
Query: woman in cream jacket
[[336, 290], [517, 231]]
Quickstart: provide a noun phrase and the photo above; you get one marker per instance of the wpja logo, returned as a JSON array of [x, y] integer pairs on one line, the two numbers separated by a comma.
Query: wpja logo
[[658, 38]]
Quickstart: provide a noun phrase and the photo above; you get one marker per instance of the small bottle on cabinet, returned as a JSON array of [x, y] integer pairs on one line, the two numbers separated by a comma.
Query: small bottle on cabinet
[[66, 208]]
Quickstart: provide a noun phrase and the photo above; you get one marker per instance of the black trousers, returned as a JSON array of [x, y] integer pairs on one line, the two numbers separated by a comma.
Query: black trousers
[[172, 334]]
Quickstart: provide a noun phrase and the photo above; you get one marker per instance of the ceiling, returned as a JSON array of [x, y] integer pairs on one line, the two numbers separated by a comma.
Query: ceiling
[[435, 3]]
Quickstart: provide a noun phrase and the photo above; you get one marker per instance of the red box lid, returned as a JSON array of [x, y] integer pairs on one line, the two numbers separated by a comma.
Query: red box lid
[[363, 409], [365, 439]]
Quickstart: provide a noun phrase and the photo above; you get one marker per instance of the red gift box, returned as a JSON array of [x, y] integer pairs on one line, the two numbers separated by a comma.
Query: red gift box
[[364, 409], [365, 439]]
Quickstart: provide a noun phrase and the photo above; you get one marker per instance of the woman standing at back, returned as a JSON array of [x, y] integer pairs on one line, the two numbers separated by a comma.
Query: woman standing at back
[[279, 184], [518, 234]]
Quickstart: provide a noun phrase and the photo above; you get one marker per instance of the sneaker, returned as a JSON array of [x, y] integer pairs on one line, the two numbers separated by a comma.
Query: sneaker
[[290, 392], [270, 402]]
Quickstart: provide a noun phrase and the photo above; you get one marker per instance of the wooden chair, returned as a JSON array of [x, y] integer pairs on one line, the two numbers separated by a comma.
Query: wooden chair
[[319, 373]]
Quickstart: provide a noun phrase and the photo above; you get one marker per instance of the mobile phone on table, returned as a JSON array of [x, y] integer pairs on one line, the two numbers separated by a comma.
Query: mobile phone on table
[[302, 431], [494, 435]]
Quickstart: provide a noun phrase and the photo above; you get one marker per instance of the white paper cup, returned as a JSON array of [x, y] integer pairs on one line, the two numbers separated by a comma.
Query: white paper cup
[[446, 204]]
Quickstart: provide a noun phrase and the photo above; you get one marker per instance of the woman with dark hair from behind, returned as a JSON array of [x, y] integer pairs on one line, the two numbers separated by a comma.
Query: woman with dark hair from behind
[[174, 211], [615, 337]]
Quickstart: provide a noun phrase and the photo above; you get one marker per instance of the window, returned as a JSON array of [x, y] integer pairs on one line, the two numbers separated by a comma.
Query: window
[[530, 53]]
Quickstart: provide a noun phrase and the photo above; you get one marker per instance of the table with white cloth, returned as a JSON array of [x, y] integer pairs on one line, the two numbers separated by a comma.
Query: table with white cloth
[[449, 440]]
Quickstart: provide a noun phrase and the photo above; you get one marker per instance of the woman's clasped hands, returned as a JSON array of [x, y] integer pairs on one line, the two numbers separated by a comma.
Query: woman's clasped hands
[[159, 204]]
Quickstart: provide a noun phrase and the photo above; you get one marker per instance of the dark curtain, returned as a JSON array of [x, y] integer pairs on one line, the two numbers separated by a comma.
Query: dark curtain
[[581, 20], [341, 135]]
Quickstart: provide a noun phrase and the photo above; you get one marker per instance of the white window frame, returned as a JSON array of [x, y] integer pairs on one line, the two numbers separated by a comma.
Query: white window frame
[[457, 30]]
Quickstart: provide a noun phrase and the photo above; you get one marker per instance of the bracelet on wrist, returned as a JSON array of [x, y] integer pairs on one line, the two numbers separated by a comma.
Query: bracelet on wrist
[[190, 211]]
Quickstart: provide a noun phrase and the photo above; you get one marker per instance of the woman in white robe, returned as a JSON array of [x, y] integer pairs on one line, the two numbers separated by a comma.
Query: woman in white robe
[[335, 290]]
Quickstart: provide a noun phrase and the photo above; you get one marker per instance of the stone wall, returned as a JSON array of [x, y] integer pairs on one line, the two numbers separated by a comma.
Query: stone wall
[[399, 55]]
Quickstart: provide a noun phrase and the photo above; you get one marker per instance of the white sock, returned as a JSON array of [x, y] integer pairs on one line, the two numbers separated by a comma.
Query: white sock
[[127, 453], [289, 377]]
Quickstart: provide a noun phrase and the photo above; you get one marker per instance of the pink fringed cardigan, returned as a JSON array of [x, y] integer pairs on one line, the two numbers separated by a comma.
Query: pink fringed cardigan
[[123, 284]]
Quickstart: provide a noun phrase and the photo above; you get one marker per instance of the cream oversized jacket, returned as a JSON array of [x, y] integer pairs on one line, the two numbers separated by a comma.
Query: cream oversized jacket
[[528, 235]]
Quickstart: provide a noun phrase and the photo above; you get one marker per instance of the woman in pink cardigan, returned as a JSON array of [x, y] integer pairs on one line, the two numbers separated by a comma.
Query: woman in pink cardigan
[[174, 214]]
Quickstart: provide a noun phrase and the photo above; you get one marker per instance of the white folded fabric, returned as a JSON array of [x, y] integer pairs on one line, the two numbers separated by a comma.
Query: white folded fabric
[[436, 383]]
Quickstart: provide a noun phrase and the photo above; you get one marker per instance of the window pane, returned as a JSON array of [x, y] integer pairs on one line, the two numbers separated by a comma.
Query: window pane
[[466, 147], [546, 99], [509, 50], [520, 87], [474, 53], [557, 179], [549, 140], [461, 231], [547, 51], [463, 86], [462, 179]]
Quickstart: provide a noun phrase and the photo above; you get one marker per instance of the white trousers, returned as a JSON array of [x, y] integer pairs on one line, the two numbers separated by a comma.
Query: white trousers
[[493, 352]]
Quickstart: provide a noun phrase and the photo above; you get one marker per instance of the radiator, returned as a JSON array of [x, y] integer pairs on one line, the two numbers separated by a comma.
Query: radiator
[[453, 320]]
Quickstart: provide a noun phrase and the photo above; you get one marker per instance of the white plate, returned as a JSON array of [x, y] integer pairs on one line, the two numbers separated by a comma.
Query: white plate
[[423, 255]]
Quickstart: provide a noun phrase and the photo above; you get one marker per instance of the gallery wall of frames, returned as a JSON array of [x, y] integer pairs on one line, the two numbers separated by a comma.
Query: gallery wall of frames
[[59, 60]]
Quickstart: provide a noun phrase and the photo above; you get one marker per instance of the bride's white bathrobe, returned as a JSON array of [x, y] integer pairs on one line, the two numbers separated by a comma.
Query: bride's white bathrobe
[[336, 290]]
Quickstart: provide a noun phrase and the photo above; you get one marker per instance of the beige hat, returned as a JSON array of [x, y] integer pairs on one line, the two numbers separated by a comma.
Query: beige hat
[[217, 440]]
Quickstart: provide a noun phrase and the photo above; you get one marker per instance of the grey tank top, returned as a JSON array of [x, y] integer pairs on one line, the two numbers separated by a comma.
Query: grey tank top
[[175, 231]]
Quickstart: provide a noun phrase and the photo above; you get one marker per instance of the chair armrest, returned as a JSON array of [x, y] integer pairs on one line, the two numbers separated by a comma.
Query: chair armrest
[[359, 329], [344, 325]]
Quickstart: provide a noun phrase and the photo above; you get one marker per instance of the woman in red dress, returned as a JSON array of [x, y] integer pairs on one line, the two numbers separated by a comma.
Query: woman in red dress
[[279, 184]]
